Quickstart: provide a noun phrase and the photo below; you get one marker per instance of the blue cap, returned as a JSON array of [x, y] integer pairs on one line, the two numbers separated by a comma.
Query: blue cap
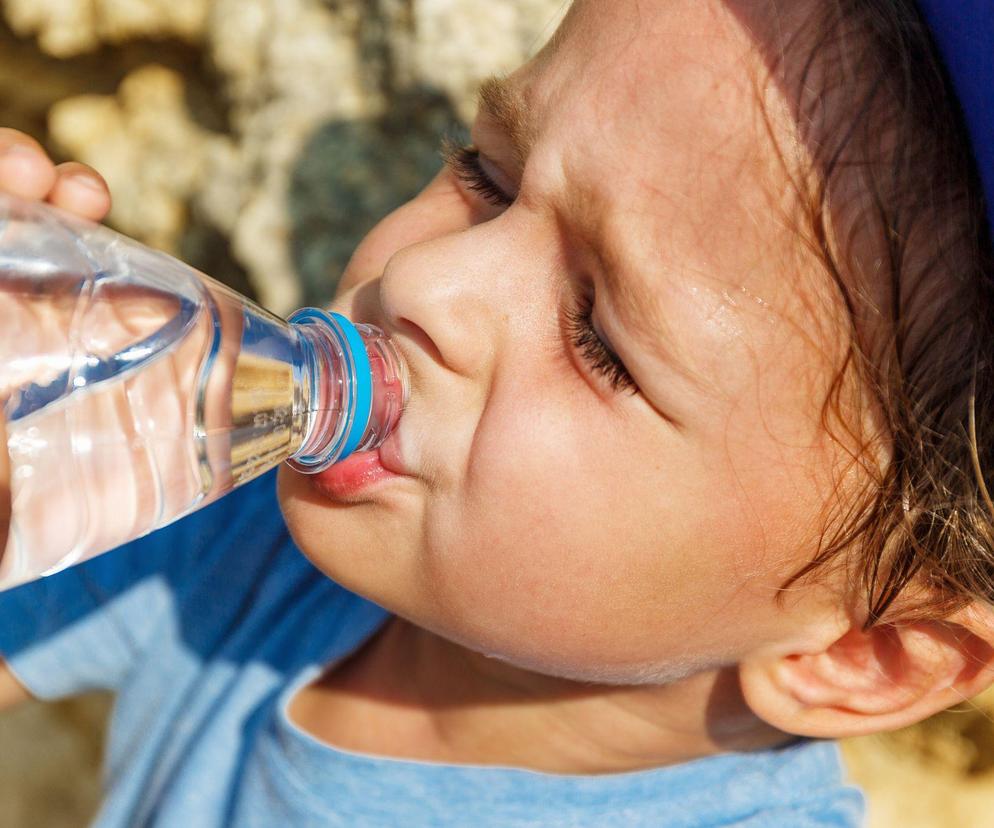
[[363, 389], [964, 33]]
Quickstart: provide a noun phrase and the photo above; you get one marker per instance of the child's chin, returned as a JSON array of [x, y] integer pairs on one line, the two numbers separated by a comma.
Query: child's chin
[[358, 545]]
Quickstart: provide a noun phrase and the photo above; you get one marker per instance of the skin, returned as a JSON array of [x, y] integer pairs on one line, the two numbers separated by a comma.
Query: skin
[[558, 527], [596, 574], [26, 172]]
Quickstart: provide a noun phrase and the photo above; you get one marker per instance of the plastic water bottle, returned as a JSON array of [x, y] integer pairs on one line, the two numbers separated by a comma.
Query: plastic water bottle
[[137, 389]]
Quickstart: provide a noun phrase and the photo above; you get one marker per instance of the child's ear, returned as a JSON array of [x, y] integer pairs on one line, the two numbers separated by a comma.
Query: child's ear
[[884, 678]]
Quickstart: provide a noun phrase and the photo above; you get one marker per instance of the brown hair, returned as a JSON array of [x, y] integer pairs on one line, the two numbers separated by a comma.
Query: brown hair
[[912, 262]]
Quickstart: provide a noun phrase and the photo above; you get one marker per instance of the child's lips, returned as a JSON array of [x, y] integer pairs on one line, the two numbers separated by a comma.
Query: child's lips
[[390, 454], [349, 478]]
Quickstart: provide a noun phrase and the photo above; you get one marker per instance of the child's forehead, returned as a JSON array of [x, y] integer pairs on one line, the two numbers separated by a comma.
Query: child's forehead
[[662, 137], [668, 122]]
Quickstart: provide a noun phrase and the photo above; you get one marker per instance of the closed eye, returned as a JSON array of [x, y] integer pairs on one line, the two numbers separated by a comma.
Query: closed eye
[[464, 162], [595, 352]]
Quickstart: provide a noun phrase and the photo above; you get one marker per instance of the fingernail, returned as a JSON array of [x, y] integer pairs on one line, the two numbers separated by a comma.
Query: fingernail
[[19, 151], [87, 181]]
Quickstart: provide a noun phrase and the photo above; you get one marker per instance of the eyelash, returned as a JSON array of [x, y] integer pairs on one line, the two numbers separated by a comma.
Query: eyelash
[[465, 165], [464, 162], [583, 335]]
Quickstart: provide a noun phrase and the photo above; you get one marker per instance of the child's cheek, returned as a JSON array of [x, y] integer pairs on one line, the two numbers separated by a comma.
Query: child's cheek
[[531, 562]]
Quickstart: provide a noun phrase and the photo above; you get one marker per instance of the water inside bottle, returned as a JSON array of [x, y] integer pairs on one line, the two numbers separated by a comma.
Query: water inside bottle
[[143, 409]]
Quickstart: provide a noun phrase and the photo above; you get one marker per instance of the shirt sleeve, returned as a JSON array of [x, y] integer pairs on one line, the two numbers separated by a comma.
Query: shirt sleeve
[[86, 627]]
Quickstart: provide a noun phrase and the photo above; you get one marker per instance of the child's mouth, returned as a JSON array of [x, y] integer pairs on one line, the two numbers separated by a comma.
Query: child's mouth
[[347, 479]]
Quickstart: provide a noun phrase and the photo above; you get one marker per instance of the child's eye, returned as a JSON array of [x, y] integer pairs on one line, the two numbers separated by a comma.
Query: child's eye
[[599, 356], [464, 161], [465, 165]]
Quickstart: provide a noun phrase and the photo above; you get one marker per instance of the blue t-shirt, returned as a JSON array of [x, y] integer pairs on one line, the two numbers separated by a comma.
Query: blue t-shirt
[[207, 628]]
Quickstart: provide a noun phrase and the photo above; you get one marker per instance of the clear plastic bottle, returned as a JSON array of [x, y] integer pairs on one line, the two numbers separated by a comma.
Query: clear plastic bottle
[[137, 390]]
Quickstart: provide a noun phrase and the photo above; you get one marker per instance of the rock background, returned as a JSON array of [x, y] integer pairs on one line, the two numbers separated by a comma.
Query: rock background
[[259, 140], [938, 774]]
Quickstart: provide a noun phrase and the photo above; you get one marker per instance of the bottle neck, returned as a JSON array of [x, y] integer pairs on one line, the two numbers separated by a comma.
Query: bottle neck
[[353, 387]]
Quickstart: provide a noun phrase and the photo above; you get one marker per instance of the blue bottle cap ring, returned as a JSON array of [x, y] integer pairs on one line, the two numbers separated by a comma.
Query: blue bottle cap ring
[[363, 388]]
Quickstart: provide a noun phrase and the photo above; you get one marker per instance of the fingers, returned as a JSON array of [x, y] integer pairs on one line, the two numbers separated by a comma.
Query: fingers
[[81, 190], [27, 171]]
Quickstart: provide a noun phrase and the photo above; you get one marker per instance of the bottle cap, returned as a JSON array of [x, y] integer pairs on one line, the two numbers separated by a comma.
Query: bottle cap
[[362, 370]]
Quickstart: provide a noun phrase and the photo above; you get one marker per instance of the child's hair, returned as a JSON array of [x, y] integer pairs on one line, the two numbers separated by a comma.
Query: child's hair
[[910, 253]]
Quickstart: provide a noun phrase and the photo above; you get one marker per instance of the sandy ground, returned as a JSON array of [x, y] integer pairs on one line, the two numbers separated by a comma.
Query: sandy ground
[[50, 763], [939, 774]]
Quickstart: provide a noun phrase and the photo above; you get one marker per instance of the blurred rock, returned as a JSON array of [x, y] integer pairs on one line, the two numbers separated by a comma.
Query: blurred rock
[[351, 172], [31, 81], [938, 774], [301, 88], [50, 763], [146, 144], [70, 27], [461, 42]]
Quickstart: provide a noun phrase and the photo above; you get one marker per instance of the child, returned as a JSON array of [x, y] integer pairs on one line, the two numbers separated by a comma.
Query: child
[[689, 471]]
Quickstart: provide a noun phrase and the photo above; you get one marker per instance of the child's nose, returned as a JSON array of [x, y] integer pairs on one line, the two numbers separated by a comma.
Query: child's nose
[[446, 293]]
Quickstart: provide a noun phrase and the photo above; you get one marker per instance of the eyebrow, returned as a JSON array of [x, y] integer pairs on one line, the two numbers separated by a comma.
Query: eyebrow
[[502, 101]]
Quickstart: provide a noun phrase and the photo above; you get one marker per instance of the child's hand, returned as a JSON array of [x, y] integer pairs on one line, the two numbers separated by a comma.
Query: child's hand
[[34, 342], [26, 171]]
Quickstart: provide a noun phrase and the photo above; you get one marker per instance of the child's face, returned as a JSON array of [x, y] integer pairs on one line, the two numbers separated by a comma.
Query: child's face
[[548, 518]]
